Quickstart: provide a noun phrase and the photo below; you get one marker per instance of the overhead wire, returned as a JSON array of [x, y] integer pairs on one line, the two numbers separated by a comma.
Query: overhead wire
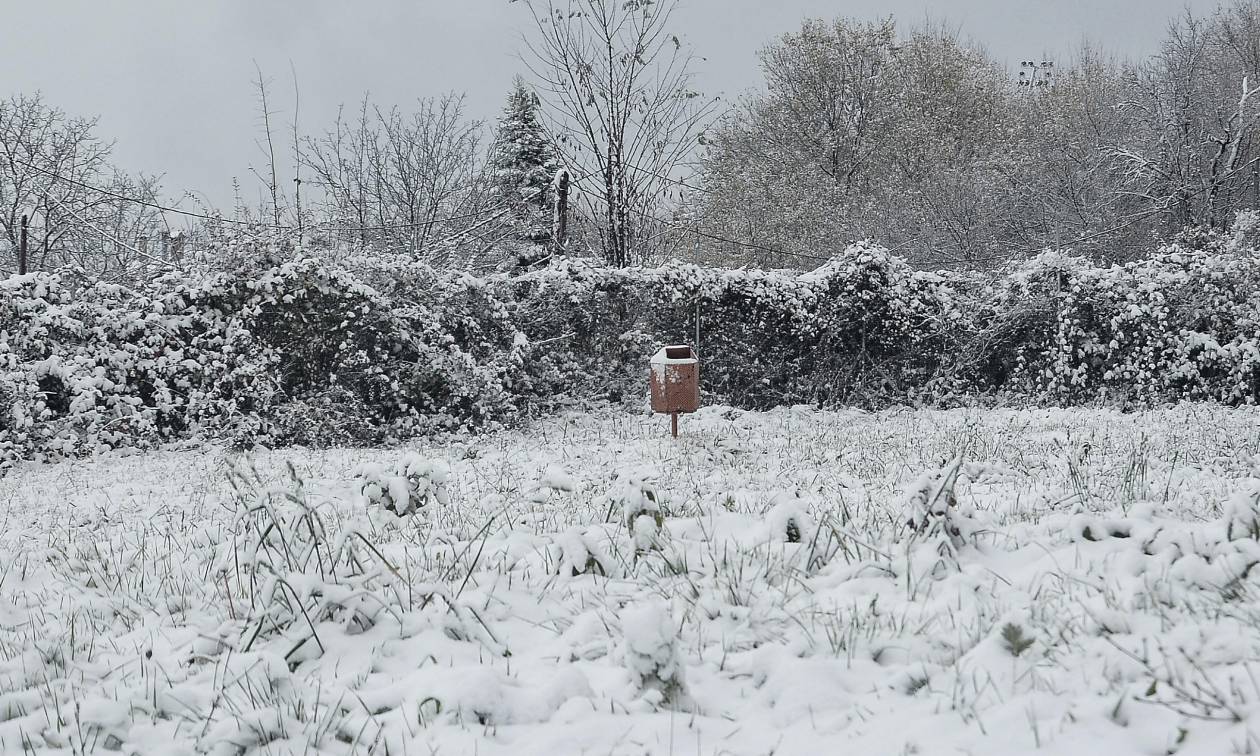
[[498, 211], [495, 211], [500, 208]]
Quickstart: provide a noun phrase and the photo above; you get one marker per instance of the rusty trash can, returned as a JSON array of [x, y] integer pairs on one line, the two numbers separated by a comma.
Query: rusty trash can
[[675, 382]]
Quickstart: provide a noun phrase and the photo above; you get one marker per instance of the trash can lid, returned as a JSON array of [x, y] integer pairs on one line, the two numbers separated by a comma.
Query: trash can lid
[[677, 354]]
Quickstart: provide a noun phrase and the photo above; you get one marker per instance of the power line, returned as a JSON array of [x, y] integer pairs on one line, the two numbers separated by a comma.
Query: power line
[[679, 182], [746, 245], [111, 237], [497, 211], [133, 200], [500, 208]]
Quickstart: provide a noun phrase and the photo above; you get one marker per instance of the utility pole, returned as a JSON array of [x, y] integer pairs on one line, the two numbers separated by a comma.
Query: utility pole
[[695, 259], [560, 220], [22, 248], [1035, 75], [297, 193]]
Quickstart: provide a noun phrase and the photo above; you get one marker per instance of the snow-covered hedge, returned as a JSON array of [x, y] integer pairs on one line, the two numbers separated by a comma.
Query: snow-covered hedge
[[1180, 325], [864, 327], [297, 353], [99, 366], [867, 329], [306, 352]]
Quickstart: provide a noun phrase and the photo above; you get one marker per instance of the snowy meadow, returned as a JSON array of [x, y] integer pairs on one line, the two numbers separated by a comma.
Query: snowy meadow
[[323, 405], [787, 582]]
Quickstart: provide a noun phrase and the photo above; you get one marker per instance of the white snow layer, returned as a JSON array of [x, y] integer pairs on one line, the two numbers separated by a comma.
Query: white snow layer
[[793, 582]]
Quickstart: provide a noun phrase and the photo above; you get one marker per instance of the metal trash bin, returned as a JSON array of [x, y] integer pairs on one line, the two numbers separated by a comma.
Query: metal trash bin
[[675, 382]]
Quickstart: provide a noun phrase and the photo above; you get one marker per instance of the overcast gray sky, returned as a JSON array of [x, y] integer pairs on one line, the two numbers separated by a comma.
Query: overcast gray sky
[[171, 79]]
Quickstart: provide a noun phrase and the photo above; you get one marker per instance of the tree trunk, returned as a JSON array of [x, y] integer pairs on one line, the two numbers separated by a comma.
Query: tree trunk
[[22, 249]]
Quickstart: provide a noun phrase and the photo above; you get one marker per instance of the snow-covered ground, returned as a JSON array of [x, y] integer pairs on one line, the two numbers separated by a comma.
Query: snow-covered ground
[[793, 582]]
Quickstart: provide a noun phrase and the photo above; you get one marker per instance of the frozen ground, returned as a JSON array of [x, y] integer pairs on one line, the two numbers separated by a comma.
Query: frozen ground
[[794, 582]]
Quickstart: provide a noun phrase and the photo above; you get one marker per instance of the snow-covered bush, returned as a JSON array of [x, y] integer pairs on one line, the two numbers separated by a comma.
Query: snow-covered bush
[[412, 484], [88, 367], [1182, 324], [478, 317], [635, 495], [579, 554], [650, 651], [312, 329], [940, 527]]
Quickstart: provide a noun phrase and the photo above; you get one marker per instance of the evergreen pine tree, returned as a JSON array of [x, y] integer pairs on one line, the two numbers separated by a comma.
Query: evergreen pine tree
[[523, 165]]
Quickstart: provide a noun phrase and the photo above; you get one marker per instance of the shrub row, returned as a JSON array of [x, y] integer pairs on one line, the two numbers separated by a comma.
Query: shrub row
[[307, 353]]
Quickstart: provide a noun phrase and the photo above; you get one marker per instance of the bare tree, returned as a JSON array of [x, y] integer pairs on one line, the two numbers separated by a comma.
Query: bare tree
[[623, 113], [409, 180], [297, 156], [1192, 120], [267, 146], [56, 171], [340, 160], [922, 142], [951, 137]]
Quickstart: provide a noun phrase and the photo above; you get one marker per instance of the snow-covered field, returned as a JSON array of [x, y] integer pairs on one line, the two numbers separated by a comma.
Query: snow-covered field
[[793, 582]]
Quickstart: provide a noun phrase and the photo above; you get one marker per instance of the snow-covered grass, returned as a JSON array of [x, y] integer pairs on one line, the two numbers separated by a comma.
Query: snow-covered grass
[[792, 582]]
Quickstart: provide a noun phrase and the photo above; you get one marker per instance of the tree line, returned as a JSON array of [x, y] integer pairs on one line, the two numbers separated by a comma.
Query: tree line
[[915, 138], [926, 143]]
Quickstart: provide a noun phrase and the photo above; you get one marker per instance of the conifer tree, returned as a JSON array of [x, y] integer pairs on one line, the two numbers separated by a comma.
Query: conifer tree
[[523, 165]]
